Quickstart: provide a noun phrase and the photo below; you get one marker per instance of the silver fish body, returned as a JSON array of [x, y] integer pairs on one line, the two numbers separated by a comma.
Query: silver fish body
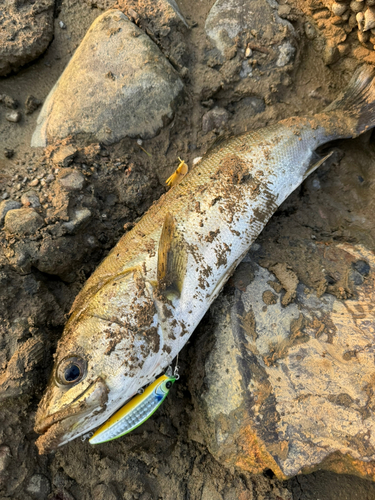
[[141, 305]]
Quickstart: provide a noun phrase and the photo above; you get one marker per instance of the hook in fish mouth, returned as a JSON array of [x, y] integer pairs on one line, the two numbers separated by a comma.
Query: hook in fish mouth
[[63, 425]]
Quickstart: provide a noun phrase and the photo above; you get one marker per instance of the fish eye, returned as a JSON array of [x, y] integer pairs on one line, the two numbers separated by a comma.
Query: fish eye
[[70, 370], [168, 385]]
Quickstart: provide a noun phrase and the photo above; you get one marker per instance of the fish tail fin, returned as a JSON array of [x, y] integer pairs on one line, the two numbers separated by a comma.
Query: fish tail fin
[[357, 101]]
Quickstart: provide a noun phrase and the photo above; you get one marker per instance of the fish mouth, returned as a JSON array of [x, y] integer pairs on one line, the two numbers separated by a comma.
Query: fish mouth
[[73, 420]]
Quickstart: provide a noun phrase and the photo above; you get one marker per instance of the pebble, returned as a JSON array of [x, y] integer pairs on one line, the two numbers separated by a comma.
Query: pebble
[[356, 6], [369, 20], [246, 69], [8, 153], [8, 101], [309, 31], [363, 37], [22, 221], [286, 54], [352, 21], [197, 160], [360, 18], [5, 457], [338, 8], [216, 118], [30, 199], [79, 218], [39, 487], [284, 11], [34, 183], [331, 54], [62, 25], [13, 116], [49, 178], [31, 104], [4, 196], [64, 155], [248, 52], [72, 180], [5, 206]]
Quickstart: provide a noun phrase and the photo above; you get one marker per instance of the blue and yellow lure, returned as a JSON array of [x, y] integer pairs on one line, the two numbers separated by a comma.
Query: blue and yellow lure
[[136, 411]]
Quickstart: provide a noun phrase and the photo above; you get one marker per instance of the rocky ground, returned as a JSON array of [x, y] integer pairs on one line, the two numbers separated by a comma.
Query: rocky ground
[[220, 69]]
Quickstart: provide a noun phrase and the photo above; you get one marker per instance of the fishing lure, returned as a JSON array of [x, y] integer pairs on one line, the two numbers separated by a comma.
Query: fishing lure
[[136, 411]]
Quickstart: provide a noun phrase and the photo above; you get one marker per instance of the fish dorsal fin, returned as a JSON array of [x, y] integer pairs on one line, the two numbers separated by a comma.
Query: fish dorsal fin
[[172, 258], [316, 164]]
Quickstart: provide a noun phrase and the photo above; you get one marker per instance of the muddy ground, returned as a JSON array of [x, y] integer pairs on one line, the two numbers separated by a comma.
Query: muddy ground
[[160, 459]]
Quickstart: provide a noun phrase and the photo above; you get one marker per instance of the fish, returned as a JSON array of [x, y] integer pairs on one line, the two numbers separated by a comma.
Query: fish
[[142, 303], [136, 412]]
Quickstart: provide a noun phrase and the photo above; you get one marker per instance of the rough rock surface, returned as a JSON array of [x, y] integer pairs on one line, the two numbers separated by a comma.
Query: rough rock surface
[[26, 29], [117, 84], [229, 19], [290, 388]]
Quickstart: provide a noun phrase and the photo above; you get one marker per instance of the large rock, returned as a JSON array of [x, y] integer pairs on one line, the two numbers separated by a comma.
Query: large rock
[[117, 84], [26, 30], [230, 19], [291, 387]]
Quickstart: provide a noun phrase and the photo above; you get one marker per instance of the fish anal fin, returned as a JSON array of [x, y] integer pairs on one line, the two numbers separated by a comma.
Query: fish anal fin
[[172, 258], [316, 164]]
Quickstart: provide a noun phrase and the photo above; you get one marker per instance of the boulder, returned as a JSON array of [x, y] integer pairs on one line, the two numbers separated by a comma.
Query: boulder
[[230, 19], [26, 31], [290, 387], [117, 84]]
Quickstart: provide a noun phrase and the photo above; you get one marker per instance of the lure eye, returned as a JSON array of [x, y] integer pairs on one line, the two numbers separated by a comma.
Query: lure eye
[[71, 370], [168, 385]]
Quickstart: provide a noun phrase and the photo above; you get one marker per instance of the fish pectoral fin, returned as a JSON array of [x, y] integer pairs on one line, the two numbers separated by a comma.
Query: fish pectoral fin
[[172, 258], [316, 164]]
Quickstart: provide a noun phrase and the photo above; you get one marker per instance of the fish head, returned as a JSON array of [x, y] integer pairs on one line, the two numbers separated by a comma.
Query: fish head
[[108, 350]]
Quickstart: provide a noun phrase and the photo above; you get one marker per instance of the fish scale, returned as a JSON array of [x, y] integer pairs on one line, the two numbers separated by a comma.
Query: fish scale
[[140, 306]]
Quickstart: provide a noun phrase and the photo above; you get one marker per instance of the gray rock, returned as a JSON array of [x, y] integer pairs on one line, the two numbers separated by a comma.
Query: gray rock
[[79, 219], [26, 31], [331, 54], [286, 54], [23, 221], [30, 199], [5, 206], [228, 19], [13, 116], [8, 101], [104, 97], [72, 180], [64, 155], [39, 486], [216, 118], [31, 104], [286, 388], [8, 153]]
